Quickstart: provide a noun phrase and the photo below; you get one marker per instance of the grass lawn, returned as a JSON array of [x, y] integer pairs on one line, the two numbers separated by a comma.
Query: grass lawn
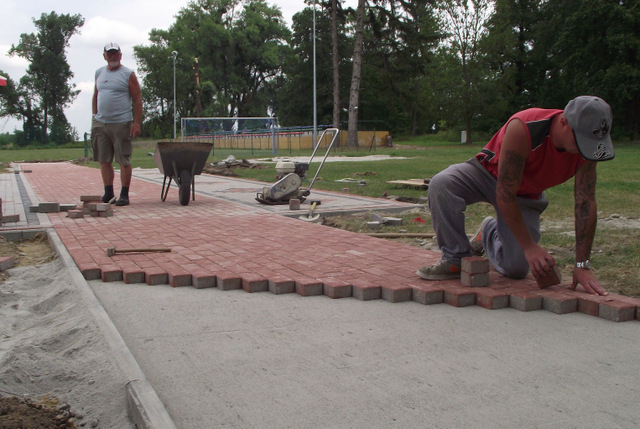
[[616, 250]]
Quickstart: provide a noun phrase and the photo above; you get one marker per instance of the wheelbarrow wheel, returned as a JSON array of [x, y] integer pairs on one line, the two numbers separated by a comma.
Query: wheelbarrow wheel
[[184, 190]]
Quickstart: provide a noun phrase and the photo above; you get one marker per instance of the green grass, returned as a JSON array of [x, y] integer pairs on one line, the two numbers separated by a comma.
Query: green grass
[[616, 251]]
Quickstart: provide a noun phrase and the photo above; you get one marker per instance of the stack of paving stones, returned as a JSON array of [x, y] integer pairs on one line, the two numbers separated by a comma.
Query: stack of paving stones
[[92, 205]]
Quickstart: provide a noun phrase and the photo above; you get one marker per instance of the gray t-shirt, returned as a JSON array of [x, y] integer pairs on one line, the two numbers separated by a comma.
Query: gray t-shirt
[[114, 99]]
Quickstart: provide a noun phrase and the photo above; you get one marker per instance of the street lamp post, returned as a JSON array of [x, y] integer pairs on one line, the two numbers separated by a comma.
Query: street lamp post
[[174, 54], [315, 112]]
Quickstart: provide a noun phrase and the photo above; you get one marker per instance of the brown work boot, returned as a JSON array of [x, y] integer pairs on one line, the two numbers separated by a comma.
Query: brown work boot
[[442, 270]]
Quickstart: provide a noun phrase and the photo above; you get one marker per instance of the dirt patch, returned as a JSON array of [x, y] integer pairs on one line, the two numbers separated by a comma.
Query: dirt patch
[[18, 412]]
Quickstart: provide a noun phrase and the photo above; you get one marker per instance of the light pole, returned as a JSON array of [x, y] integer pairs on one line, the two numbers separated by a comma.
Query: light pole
[[315, 112], [174, 54]]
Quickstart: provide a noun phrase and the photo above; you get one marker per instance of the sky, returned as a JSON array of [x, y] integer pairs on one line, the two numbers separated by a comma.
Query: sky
[[127, 23]]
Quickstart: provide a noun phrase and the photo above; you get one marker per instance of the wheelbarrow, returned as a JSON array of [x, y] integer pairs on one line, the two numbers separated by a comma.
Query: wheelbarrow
[[181, 162]]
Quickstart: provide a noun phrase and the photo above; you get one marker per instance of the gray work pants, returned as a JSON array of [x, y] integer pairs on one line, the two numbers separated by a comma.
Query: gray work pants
[[452, 190]]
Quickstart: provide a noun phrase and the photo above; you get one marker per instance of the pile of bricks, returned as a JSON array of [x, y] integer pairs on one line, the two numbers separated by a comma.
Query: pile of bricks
[[92, 205]]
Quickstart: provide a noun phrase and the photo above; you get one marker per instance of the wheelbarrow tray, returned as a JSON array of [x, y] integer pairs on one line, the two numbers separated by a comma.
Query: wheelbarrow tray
[[181, 161], [191, 156]]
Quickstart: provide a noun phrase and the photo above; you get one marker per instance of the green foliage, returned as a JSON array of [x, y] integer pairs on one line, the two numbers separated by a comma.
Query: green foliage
[[239, 48], [46, 83]]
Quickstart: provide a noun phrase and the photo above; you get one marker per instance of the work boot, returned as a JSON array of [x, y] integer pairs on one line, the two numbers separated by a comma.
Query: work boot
[[108, 194], [477, 248], [443, 270]]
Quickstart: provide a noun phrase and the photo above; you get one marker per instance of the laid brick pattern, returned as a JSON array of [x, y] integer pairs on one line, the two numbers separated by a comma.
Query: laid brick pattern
[[216, 243]]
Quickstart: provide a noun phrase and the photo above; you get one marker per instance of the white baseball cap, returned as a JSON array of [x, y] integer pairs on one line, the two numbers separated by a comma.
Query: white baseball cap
[[111, 47]]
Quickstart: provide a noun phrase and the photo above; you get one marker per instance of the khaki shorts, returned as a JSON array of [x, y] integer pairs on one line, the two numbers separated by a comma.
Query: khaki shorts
[[109, 140]]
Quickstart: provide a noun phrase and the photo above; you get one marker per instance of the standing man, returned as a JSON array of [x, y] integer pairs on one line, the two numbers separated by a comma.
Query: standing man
[[115, 124], [534, 151]]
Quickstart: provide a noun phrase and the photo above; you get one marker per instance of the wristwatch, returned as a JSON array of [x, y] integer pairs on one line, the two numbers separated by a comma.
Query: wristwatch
[[585, 265]]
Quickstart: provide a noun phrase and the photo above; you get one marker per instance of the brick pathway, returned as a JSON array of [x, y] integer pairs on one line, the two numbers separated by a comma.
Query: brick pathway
[[216, 243]]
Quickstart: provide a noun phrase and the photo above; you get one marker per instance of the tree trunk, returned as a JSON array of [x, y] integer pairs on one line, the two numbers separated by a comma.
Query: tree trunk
[[354, 92], [336, 64]]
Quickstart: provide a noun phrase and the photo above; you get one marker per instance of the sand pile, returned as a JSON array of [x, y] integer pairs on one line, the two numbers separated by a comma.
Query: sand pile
[[51, 347]]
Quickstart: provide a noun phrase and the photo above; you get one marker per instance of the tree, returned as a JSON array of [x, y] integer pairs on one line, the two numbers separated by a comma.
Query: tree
[[354, 91], [465, 22], [49, 73], [240, 47]]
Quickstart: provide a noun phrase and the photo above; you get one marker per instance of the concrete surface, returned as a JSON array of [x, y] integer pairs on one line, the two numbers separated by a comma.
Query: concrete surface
[[221, 358]]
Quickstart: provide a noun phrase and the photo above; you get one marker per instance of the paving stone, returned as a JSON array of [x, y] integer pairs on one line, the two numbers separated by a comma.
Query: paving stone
[[111, 273], [279, 284], [90, 272], [525, 301], [49, 207], [474, 280], [617, 311], [156, 276], [10, 218], [491, 299], [179, 278], [590, 304], [254, 283], [553, 277], [475, 265], [67, 207], [75, 214], [459, 296], [308, 287], [6, 262], [85, 198], [334, 288], [226, 280], [133, 275], [203, 280], [427, 294], [397, 293], [558, 302], [365, 291]]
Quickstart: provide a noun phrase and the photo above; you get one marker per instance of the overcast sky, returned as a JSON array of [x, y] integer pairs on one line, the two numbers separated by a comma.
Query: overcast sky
[[124, 22]]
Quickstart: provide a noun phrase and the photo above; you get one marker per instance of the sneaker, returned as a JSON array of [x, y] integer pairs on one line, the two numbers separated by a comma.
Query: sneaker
[[477, 248], [443, 270], [122, 201]]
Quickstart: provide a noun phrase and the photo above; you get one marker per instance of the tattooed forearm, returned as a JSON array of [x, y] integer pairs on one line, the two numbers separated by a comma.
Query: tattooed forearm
[[585, 210], [510, 175]]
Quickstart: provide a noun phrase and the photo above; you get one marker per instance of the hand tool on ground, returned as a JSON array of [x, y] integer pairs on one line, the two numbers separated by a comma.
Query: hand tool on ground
[[289, 186], [113, 250], [310, 217]]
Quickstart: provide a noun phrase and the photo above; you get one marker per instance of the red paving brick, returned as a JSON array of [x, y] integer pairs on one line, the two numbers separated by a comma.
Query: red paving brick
[[217, 243]]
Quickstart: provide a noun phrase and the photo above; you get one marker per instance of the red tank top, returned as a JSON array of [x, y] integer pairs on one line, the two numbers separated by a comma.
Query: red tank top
[[545, 166]]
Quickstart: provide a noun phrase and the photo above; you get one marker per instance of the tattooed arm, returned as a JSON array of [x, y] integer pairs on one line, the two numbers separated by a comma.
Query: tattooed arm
[[586, 218], [513, 156]]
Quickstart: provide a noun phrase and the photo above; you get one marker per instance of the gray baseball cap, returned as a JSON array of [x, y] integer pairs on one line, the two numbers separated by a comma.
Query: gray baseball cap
[[590, 119]]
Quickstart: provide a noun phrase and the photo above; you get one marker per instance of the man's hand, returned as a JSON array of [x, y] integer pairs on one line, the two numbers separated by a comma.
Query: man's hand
[[134, 130], [540, 261], [588, 281]]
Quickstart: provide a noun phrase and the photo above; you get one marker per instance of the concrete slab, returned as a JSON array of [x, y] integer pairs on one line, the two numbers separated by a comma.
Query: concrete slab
[[219, 356], [242, 191]]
